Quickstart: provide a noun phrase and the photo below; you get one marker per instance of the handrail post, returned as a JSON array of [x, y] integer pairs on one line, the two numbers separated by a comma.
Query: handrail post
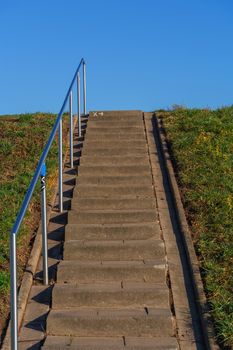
[[84, 88], [79, 106], [44, 226], [71, 132], [13, 298], [60, 167]]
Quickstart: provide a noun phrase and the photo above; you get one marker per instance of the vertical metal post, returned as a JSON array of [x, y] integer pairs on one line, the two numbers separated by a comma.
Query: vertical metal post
[[60, 181], [79, 106], [44, 226], [84, 88], [13, 299], [71, 132]]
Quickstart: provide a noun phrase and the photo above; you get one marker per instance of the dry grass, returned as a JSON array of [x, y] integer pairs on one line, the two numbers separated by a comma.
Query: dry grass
[[201, 142], [22, 139]]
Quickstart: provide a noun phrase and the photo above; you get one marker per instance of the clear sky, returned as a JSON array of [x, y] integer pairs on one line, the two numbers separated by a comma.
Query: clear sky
[[140, 54]]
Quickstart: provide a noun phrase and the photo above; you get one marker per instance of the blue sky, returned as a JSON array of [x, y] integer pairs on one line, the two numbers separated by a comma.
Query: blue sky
[[140, 54]]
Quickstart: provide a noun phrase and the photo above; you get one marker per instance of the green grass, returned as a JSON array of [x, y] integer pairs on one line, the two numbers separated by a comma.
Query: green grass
[[22, 139], [201, 143]]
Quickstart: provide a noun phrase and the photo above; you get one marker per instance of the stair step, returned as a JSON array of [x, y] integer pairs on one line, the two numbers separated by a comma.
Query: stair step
[[120, 170], [95, 136], [115, 115], [112, 231], [110, 343], [127, 130], [114, 160], [80, 204], [106, 144], [151, 343], [111, 271], [83, 343], [105, 124], [114, 180], [113, 250], [87, 191], [109, 152], [111, 217], [132, 295], [114, 322]]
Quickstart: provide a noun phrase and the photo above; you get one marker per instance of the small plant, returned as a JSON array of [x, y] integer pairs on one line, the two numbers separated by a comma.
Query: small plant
[[4, 282], [6, 147]]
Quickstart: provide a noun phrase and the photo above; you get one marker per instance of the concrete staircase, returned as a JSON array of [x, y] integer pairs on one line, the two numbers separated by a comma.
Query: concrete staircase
[[111, 290]]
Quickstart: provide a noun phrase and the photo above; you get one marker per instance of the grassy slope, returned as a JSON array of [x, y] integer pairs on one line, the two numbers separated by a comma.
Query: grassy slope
[[21, 142], [201, 142]]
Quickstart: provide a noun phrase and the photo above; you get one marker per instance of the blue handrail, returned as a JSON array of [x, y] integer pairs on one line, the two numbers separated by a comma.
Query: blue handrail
[[36, 176], [39, 172]]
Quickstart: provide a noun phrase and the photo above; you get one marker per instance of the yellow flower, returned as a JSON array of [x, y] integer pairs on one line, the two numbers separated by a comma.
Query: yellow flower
[[229, 202]]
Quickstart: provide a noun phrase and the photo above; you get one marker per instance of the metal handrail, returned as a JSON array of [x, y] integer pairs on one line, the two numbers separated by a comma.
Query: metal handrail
[[41, 172]]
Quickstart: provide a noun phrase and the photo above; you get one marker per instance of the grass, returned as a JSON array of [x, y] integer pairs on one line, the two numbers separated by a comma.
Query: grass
[[22, 139], [201, 143]]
